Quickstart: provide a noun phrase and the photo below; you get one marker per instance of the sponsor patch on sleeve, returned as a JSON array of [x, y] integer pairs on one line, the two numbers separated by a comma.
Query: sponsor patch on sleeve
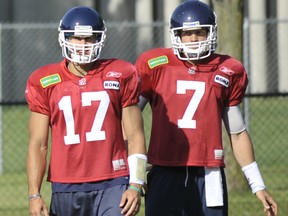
[[221, 80], [50, 80], [112, 85], [158, 61]]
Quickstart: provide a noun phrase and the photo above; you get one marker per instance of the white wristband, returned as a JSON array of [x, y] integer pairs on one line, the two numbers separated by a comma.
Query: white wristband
[[137, 168], [253, 176]]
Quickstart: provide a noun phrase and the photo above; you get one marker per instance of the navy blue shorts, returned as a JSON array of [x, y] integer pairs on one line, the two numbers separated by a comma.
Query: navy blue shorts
[[176, 191], [103, 202]]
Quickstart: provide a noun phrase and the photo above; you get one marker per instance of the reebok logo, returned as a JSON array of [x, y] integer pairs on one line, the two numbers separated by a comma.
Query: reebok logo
[[226, 70], [113, 74]]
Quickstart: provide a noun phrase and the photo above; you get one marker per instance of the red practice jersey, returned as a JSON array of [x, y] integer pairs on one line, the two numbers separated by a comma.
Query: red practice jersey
[[187, 103], [85, 117]]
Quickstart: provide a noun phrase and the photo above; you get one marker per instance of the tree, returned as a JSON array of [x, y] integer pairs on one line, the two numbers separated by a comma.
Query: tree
[[230, 41]]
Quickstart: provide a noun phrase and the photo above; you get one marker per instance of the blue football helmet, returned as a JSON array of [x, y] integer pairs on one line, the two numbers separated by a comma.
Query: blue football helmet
[[192, 15], [83, 22]]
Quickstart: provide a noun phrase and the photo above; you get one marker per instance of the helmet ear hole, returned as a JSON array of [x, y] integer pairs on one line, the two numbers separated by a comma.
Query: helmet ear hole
[[82, 21]]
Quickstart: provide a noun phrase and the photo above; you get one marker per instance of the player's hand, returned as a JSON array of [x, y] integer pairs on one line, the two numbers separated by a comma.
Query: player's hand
[[130, 202], [37, 206], [270, 206]]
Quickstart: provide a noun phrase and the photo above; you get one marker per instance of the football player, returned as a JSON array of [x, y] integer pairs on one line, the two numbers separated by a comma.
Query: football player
[[84, 100], [191, 89]]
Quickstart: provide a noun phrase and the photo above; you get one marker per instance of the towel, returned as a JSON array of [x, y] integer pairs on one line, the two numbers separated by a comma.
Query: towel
[[213, 187]]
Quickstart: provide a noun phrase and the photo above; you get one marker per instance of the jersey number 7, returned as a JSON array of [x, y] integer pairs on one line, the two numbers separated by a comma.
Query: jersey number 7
[[199, 87]]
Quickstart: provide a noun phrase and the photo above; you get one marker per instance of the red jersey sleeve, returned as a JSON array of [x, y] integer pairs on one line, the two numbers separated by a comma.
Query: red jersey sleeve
[[131, 87], [144, 71], [35, 92], [239, 81]]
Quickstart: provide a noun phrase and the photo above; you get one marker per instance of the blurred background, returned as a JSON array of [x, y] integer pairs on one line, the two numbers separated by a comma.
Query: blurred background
[[255, 32]]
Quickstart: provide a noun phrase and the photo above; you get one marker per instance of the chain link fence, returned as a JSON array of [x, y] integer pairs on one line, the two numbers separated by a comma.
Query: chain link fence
[[25, 47]]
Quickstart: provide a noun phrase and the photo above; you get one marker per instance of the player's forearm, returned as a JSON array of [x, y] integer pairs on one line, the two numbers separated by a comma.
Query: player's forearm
[[136, 145], [242, 148], [244, 154], [137, 160], [133, 127], [36, 167], [37, 151]]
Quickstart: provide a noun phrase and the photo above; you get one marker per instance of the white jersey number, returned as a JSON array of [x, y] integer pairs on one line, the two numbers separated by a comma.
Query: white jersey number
[[199, 87], [95, 133]]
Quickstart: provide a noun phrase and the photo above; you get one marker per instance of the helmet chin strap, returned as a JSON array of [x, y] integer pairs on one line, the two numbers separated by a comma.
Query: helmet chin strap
[[191, 62]]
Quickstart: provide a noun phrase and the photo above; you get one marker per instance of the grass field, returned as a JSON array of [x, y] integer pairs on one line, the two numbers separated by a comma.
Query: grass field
[[268, 127]]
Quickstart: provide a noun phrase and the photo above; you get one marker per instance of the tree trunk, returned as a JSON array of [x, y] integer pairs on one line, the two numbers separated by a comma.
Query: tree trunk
[[230, 41]]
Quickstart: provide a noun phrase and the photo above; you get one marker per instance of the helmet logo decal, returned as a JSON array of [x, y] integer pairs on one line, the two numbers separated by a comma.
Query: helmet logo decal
[[158, 61], [191, 24], [83, 30]]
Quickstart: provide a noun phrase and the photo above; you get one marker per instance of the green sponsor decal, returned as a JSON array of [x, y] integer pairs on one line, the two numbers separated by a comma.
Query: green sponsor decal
[[50, 80], [157, 61]]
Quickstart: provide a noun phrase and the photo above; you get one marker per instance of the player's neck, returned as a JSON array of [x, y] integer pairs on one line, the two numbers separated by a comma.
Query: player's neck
[[80, 70]]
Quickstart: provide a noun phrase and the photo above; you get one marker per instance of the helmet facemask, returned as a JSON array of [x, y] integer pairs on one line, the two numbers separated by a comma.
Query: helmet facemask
[[82, 53], [193, 50]]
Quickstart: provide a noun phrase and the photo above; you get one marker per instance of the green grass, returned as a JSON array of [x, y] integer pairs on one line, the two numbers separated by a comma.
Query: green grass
[[269, 123]]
